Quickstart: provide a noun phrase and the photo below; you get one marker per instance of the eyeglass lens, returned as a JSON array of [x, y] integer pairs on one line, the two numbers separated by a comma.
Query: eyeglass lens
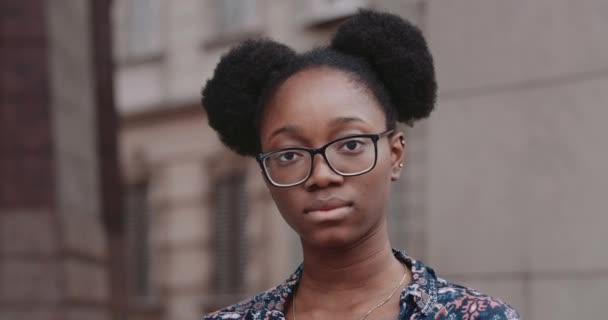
[[346, 157]]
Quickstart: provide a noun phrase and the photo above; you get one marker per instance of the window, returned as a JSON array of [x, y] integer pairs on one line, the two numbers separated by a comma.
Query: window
[[138, 29], [230, 241], [318, 12], [237, 16], [138, 241], [234, 20]]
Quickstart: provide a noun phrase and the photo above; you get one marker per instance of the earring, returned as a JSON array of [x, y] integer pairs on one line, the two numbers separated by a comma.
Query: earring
[[401, 165], [402, 141]]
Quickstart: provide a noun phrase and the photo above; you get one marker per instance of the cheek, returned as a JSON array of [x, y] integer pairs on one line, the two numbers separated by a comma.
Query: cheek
[[375, 185], [383, 170], [287, 204]]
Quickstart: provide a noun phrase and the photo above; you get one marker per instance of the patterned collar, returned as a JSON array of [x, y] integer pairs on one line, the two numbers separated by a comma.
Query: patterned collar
[[426, 295], [422, 288]]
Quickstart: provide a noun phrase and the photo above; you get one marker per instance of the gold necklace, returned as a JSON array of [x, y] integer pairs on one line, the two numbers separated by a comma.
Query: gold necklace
[[370, 310]]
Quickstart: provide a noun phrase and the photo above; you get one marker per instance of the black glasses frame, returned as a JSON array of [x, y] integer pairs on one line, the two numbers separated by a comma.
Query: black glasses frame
[[375, 137]]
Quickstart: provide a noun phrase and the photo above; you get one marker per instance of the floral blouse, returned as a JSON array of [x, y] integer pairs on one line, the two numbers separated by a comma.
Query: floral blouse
[[426, 297]]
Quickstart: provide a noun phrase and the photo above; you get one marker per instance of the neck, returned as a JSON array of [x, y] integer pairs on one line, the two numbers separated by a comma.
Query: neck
[[370, 263]]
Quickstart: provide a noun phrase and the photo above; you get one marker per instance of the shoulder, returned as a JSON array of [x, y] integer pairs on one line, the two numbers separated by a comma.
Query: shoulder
[[444, 300], [235, 311], [458, 302], [267, 305]]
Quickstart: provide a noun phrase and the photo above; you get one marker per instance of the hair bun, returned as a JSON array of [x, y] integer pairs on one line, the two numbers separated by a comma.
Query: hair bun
[[231, 96], [398, 54]]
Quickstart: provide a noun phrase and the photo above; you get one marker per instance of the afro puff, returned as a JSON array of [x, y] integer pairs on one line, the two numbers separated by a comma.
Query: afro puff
[[231, 96], [398, 53], [384, 52]]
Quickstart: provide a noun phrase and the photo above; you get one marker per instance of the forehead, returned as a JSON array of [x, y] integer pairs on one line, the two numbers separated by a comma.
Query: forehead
[[312, 98]]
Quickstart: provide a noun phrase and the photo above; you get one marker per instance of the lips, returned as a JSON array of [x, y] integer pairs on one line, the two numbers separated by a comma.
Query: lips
[[327, 205]]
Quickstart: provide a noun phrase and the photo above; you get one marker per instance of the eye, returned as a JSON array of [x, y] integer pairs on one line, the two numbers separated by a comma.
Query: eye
[[287, 156], [352, 145]]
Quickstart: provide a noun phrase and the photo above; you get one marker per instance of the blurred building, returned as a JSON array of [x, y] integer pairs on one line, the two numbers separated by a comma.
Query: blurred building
[[60, 208]]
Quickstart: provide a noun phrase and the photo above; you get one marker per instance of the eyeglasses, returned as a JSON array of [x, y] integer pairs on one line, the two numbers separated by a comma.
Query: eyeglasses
[[348, 156]]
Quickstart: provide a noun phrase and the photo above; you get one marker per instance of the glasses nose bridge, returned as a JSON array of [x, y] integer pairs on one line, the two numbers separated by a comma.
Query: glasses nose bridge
[[322, 173], [319, 151]]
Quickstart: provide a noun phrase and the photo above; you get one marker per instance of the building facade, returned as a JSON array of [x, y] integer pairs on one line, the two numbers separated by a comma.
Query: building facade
[[60, 230]]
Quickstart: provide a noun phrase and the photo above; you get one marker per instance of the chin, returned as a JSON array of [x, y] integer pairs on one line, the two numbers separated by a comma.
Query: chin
[[332, 238]]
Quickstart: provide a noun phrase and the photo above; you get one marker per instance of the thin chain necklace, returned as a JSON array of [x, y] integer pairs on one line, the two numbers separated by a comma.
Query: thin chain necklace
[[370, 310]]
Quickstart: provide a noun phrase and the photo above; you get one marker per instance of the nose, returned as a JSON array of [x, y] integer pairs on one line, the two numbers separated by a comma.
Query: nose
[[322, 175]]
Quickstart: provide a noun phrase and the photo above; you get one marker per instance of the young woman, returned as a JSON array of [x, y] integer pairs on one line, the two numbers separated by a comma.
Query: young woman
[[322, 125]]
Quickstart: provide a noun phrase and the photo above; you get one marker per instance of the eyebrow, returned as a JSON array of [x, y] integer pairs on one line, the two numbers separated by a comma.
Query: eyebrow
[[344, 120], [297, 130], [287, 129]]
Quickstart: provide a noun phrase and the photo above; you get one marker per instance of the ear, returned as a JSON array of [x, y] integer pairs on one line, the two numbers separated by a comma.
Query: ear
[[397, 145]]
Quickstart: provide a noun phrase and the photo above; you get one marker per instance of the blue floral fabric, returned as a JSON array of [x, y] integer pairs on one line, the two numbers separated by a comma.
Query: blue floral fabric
[[426, 297]]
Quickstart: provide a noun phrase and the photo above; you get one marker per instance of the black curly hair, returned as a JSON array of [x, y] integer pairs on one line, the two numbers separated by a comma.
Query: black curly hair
[[385, 53]]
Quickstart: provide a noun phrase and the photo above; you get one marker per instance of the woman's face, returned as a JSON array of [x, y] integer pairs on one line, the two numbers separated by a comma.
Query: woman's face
[[310, 109]]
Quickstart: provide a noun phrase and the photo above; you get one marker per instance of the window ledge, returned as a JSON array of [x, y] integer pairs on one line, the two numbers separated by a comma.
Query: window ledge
[[140, 59]]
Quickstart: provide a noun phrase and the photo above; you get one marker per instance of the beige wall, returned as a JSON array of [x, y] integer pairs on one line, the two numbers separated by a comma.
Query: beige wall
[[517, 154]]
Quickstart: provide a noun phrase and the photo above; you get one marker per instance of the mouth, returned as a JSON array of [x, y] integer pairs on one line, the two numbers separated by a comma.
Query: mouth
[[329, 209]]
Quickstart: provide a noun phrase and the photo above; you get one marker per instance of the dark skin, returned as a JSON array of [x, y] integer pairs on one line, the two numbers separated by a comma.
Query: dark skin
[[348, 263]]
